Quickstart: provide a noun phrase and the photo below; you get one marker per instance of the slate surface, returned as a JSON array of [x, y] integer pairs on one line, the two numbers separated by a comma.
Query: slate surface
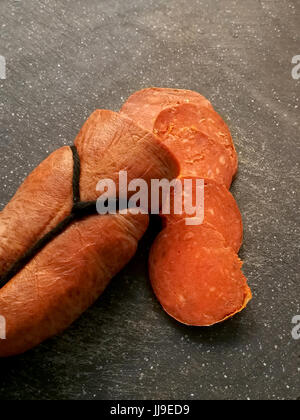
[[66, 58]]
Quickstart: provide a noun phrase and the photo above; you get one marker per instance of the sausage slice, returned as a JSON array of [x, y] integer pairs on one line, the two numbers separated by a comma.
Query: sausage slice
[[197, 118], [144, 106], [220, 210], [199, 155], [195, 276]]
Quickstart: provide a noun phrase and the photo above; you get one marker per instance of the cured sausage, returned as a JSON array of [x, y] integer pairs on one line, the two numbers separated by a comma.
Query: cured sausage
[[220, 211], [174, 120], [72, 270], [195, 276], [195, 271], [41, 202], [65, 278], [199, 156], [107, 143], [144, 106]]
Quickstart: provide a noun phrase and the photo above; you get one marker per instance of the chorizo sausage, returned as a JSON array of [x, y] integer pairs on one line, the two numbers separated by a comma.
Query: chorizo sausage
[[195, 276], [72, 270], [220, 210], [107, 143], [41, 202], [199, 156], [144, 106], [195, 271], [65, 278], [172, 121]]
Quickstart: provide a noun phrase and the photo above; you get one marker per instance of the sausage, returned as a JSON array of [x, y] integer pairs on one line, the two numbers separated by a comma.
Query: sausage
[[198, 118], [199, 155], [144, 106], [107, 143], [220, 211], [195, 276], [42, 201], [194, 270], [65, 278], [71, 271]]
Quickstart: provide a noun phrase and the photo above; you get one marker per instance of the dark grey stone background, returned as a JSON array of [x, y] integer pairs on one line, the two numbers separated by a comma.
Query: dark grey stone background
[[66, 58]]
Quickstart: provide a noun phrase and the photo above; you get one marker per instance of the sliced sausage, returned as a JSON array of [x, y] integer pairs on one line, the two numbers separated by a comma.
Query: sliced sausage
[[196, 278], [144, 106], [198, 118], [220, 210], [199, 155]]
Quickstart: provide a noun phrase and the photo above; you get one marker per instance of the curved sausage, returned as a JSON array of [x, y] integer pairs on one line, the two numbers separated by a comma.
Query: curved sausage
[[107, 143], [65, 278], [41, 202], [69, 273]]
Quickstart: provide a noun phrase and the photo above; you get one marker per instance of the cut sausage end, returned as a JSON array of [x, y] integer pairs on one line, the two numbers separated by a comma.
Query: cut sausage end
[[186, 128], [220, 210], [144, 106], [196, 277]]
